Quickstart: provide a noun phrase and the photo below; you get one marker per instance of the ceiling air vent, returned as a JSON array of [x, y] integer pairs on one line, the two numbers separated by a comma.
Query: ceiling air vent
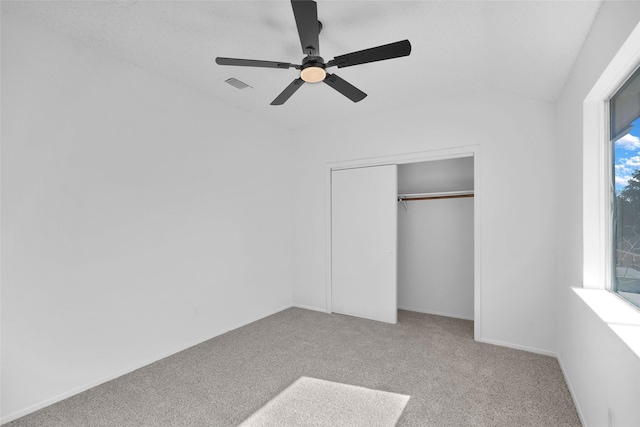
[[237, 83]]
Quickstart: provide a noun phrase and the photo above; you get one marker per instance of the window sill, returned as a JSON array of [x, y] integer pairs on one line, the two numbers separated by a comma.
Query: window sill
[[619, 315]]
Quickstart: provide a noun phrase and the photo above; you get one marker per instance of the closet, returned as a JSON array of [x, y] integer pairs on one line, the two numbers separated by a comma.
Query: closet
[[435, 237], [402, 236]]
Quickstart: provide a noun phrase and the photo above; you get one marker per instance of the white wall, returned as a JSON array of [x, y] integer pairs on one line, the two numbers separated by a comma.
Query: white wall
[[435, 257], [600, 369], [517, 208], [138, 218], [435, 239], [436, 176]]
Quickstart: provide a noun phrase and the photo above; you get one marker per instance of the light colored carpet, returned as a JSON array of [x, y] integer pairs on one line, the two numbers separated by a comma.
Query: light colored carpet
[[452, 379], [315, 402]]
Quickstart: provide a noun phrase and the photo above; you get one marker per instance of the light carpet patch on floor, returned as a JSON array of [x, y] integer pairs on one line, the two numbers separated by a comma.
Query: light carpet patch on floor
[[315, 402]]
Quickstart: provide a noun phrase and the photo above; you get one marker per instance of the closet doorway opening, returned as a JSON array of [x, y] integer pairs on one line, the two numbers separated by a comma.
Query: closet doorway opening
[[435, 237], [435, 244]]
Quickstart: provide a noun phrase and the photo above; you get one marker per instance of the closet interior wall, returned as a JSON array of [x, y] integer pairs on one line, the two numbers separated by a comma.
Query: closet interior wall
[[435, 239]]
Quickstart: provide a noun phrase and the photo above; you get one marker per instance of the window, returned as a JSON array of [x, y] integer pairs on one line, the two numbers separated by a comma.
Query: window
[[624, 135]]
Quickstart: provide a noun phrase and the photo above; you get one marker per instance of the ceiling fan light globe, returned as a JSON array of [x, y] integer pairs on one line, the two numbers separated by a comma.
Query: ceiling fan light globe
[[313, 74]]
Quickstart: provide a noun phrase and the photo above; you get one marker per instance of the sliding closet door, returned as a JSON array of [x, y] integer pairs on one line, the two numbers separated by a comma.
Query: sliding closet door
[[364, 215]]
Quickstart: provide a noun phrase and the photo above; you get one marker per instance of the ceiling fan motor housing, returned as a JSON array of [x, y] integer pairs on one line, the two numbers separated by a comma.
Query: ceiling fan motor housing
[[313, 61]]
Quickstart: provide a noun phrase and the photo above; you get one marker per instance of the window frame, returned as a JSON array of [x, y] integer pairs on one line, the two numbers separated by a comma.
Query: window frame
[[598, 186], [614, 284]]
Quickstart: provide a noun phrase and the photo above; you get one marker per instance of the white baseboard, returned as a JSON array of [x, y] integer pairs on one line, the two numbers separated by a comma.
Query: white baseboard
[[520, 347], [571, 391], [308, 307], [91, 384], [437, 313]]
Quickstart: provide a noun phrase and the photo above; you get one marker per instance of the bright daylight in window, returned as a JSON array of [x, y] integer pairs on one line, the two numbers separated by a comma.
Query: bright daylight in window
[[624, 109]]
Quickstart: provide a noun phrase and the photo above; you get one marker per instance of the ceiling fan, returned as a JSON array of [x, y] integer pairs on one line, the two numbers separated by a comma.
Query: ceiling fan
[[313, 68]]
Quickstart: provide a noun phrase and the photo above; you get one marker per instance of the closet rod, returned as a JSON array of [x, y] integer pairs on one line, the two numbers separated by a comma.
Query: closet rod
[[432, 196]]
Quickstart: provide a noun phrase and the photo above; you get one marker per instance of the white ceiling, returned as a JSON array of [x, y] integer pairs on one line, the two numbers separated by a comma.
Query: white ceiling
[[522, 47]]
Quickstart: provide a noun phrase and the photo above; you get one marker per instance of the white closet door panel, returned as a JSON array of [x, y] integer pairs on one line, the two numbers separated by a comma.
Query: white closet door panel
[[364, 242]]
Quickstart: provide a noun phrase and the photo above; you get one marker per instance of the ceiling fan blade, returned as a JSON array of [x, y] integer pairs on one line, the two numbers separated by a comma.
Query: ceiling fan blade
[[380, 53], [344, 87], [306, 15], [255, 63], [290, 90]]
